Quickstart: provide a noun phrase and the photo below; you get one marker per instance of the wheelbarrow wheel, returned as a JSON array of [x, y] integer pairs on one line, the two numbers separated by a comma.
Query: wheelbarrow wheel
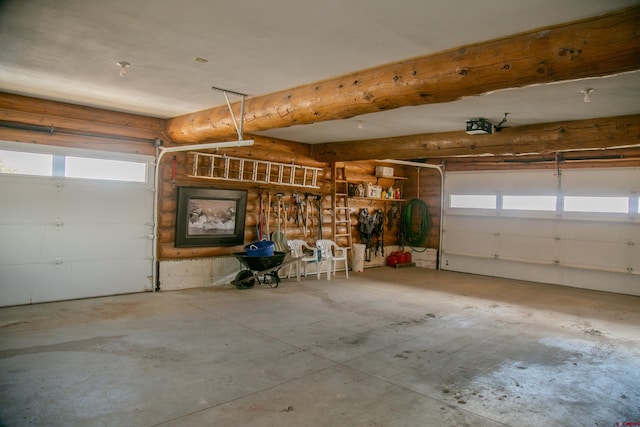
[[242, 281], [273, 280]]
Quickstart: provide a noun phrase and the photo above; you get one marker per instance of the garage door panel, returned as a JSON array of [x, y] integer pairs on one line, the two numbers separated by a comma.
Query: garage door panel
[[120, 276], [590, 254], [470, 243], [16, 282], [468, 224], [618, 181], [527, 248], [105, 241], [597, 230], [527, 227], [590, 250], [27, 201], [490, 182], [85, 204], [71, 238], [23, 241]]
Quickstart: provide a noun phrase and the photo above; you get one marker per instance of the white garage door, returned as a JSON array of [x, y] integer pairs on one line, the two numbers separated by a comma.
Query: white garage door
[[66, 238], [579, 227]]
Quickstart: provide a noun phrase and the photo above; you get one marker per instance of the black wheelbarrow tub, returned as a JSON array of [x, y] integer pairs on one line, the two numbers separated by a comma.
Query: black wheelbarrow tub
[[260, 263]]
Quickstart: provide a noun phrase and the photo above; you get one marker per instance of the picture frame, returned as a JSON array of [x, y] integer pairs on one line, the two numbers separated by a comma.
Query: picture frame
[[210, 217]]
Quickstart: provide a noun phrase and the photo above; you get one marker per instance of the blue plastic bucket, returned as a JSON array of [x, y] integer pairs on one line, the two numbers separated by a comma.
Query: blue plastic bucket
[[262, 248]]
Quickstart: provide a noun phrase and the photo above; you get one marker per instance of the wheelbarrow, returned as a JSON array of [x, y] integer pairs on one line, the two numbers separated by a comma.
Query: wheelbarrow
[[265, 266]]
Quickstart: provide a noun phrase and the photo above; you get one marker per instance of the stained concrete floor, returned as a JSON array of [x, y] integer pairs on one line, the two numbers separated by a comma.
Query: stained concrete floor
[[388, 347]]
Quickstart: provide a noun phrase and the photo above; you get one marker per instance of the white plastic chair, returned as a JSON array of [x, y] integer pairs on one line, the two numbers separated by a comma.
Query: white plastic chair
[[331, 254], [300, 249]]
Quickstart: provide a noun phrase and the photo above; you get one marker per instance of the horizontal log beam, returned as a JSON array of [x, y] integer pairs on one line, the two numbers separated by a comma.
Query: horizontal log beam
[[50, 111], [78, 141], [593, 47], [546, 138], [33, 120]]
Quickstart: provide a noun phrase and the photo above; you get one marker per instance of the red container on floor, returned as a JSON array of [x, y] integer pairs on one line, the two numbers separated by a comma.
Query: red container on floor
[[408, 255], [392, 260], [402, 257]]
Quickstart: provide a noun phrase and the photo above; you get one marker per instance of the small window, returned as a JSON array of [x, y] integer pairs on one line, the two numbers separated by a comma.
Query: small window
[[529, 203], [472, 201], [22, 163], [596, 204], [112, 170]]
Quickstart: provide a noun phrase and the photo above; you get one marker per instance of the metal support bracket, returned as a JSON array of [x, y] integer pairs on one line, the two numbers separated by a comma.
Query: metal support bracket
[[233, 116]]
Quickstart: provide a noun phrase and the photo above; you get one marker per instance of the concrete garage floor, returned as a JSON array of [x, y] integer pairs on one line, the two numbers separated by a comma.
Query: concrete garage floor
[[388, 347]]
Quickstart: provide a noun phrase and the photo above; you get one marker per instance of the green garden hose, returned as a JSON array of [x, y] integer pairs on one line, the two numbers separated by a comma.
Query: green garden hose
[[415, 234]]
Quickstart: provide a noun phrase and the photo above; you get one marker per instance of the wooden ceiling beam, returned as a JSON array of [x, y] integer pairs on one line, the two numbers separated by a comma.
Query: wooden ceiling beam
[[546, 138], [592, 47]]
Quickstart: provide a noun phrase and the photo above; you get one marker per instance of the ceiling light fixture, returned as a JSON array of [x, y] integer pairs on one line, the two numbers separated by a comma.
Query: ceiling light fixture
[[360, 124], [123, 67], [587, 94]]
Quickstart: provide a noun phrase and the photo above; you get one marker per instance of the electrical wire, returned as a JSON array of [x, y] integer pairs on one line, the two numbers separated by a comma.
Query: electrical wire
[[409, 235]]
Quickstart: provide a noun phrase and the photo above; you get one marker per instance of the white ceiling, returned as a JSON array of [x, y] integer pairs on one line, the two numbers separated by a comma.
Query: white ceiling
[[67, 50]]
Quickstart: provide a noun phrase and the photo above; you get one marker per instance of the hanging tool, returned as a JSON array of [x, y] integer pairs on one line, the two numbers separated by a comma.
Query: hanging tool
[[298, 207], [260, 216], [305, 219], [279, 239], [268, 214], [319, 201], [286, 209], [392, 214], [309, 205], [287, 214], [174, 168]]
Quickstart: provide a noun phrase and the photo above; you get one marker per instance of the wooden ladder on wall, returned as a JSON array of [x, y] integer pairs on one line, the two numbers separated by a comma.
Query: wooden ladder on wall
[[341, 211]]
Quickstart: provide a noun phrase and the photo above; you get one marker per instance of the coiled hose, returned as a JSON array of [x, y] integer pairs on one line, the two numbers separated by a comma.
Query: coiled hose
[[415, 235]]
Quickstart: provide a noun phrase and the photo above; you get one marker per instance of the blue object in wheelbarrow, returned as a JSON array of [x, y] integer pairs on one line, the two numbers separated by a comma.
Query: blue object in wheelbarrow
[[261, 248], [267, 265]]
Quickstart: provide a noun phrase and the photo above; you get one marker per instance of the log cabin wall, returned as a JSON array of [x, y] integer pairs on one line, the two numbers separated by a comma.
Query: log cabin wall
[[597, 158], [39, 121], [363, 172], [425, 184], [263, 149]]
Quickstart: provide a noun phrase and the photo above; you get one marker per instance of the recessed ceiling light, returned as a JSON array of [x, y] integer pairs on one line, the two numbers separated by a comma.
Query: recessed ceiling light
[[201, 60]]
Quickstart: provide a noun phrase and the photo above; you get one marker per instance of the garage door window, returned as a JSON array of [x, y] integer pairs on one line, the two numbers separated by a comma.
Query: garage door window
[[519, 205], [22, 163], [529, 203], [596, 204], [113, 170], [58, 165], [472, 201]]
